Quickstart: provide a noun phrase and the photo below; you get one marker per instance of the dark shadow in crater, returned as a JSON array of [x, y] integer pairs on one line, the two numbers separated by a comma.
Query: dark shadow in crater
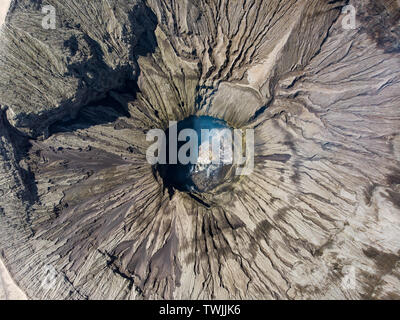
[[105, 110], [21, 147], [147, 42], [88, 73], [189, 177]]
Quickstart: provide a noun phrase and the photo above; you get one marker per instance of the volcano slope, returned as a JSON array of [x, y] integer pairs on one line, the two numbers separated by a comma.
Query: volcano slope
[[83, 215]]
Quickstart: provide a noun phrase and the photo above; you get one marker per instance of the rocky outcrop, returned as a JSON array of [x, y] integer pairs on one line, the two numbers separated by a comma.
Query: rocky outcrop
[[85, 216], [90, 52]]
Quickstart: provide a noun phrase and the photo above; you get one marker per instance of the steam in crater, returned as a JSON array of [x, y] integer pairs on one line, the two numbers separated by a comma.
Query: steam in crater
[[203, 159]]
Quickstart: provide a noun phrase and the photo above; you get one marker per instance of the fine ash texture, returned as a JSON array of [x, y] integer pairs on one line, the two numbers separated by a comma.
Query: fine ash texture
[[78, 195]]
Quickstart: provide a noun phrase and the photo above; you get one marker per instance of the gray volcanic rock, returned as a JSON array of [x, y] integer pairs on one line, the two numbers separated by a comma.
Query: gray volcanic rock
[[90, 52], [319, 217]]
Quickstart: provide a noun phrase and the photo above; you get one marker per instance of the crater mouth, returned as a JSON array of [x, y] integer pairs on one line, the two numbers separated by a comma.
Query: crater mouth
[[199, 154]]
